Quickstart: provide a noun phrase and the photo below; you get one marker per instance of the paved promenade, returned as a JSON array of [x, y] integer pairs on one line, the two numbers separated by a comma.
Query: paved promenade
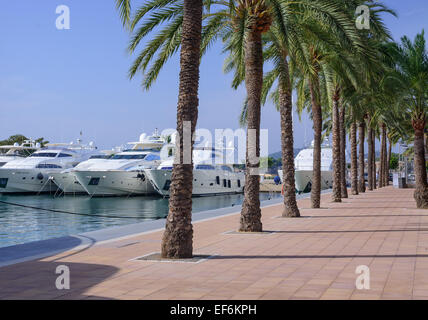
[[312, 257]]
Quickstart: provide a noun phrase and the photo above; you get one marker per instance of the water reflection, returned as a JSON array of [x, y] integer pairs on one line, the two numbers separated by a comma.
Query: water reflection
[[21, 225]]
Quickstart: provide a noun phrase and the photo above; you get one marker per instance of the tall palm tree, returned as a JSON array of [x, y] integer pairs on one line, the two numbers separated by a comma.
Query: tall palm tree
[[293, 24], [355, 43], [361, 161], [369, 154], [340, 76], [382, 156], [342, 129], [177, 241], [240, 24], [258, 21], [337, 189], [354, 158]]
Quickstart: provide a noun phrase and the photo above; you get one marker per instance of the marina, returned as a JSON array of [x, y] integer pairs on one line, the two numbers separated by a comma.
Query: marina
[[213, 150]]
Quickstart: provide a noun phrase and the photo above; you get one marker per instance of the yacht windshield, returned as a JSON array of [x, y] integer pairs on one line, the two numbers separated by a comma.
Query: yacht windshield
[[48, 166], [44, 155], [129, 157], [204, 167]]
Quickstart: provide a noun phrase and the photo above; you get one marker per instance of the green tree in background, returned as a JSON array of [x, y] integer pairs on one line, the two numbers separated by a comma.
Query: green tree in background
[[19, 138], [393, 162]]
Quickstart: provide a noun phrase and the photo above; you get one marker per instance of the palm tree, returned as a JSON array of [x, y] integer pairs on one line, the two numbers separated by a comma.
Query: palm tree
[[258, 20], [361, 162], [293, 24], [382, 156], [411, 73], [355, 43], [177, 239], [373, 152], [342, 129], [354, 158], [240, 24], [369, 153], [278, 51], [340, 76]]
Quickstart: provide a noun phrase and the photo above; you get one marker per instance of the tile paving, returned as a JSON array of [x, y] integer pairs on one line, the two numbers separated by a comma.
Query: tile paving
[[313, 257]]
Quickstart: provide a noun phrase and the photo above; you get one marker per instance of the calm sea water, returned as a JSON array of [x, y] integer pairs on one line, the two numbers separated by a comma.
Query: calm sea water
[[20, 225]]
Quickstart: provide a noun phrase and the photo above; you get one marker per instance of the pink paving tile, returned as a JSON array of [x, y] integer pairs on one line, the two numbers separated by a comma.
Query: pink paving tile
[[306, 258]]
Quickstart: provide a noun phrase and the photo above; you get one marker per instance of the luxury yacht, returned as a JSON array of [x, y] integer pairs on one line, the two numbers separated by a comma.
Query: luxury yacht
[[304, 163], [32, 174], [66, 180], [123, 173], [17, 151], [209, 177]]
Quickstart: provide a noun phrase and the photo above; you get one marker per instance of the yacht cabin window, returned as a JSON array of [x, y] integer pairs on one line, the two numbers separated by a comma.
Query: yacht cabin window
[[129, 157], [64, 155], [44, 155], [152, 157], [48, 166], [204, 167]]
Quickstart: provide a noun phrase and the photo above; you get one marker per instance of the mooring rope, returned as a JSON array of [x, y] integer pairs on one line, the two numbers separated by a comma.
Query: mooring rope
[[67, 212]]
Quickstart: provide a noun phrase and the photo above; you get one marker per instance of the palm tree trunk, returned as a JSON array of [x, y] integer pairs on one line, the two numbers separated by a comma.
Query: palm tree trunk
[[421, 192], [426, 143], [388, 161], [251, 214], [354, 159], [370, 157], [336, 194], [317, 119], [287, 144], [385, 166], [177, 241], [344, 189], [382, 157], [373, 151], [361, 131]]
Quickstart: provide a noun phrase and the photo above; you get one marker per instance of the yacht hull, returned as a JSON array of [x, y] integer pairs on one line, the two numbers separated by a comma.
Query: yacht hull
[[205, 182], [25, 181], [114, 183], [304, 180], [68, 183]]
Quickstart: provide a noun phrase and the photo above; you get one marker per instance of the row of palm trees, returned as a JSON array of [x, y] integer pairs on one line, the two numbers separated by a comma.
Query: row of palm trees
[[349, 78]]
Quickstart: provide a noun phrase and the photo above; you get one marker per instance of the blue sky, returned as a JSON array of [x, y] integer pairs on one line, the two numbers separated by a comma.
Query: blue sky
[[54, 83]]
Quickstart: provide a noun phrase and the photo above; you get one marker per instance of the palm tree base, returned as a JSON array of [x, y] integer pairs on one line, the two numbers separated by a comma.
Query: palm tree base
[[291, 213], [177, 242], [250, 221], [421, 197]]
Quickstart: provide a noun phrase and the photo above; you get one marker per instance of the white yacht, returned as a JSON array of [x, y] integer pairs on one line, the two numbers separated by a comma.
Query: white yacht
[[304, 164], [209, 177], [32, 174], [17, 151], [67, 182], [123, 173]]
